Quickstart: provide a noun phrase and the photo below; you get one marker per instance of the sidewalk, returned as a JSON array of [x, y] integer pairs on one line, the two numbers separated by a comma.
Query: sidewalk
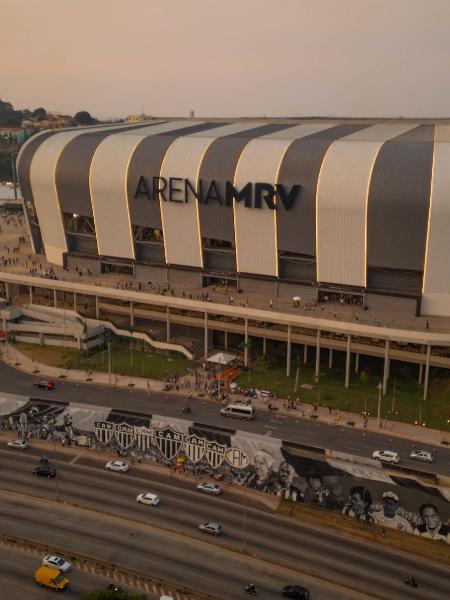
[[321, 414]]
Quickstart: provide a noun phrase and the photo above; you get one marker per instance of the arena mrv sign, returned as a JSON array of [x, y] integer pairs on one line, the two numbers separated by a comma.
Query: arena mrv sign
[[252, 195]]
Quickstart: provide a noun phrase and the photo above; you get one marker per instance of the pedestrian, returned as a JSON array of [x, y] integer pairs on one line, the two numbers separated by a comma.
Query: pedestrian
[[330, 409]]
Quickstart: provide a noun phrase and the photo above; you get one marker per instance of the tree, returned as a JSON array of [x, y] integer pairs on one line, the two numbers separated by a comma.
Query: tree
[[112, 595], [39, 114], [84, 118]]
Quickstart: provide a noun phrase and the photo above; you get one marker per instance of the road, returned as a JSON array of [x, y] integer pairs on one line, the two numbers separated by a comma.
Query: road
[[164, 541], [302, 431]]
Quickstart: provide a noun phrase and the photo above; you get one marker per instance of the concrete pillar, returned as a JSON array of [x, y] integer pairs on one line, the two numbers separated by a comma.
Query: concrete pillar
[[264, 346], [330, 359], [226, 340], [75, 301], [41, 338], [97, 309], [246, 342], [347, 363], [131, 315], [318, 353], [386, 367], [168, 324], [427, 373], [289, 352], [206, 336], [55, 298], [357, 362], [7, 292], [305, 353], [31, 294], [420, 373]]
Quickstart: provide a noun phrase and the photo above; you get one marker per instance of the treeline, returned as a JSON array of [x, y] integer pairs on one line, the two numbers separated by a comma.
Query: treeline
[[9, 117]]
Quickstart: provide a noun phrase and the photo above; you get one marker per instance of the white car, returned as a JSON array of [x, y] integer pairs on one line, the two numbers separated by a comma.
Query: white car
[[51, 560], [422, 455], [19, 444], [117, 465], [210, 488], [148, 498], [386, 456]]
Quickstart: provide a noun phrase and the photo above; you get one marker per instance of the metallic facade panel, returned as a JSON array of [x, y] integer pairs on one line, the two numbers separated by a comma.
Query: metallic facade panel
[[147, 160], [296, 228], [436, 281], [342, 194], [42, 178], [399, 199], [180, 219], [219, 165]]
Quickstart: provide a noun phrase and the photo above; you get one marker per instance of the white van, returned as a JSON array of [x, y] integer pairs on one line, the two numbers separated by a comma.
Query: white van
[[240, 411]]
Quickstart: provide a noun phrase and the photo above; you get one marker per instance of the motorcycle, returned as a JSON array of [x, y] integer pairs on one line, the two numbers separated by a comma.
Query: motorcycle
[[251, 589], [186, 409], [411, 581]]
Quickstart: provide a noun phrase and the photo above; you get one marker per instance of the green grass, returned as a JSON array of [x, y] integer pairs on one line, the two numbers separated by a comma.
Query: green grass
[[403, 401], [144, 363]]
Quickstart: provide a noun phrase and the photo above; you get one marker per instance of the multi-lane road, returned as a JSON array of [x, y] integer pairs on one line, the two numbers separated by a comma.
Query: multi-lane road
[[294, 429], [97, 515]]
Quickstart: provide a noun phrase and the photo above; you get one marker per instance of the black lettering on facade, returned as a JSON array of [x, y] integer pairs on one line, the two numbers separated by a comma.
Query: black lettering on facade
[[244, 194], [143, 188], [188, 187], [173, 191], [213, 193], [264, 191], [289, 198], [159, 185]]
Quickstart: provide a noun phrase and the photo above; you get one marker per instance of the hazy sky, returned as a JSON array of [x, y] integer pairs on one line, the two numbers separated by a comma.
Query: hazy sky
[[227, 57]]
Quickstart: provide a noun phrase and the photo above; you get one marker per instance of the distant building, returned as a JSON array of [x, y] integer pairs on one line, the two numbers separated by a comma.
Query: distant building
[[16, 135], [138, 118]]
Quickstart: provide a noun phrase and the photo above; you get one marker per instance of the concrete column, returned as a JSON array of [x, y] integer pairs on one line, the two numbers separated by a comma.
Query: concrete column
[[289, 352], [427, 373], [305, 353], [357, 363], [264, 346], [347, 363], [386, 367], [7, 292], [75, 301], [131, 315], [226, 340], [168, 324], [246, 342], [420, 373], [55, 299], [41, 338], [318, 353], [97, 309], [206, 336], [330, 359], [31, 294]]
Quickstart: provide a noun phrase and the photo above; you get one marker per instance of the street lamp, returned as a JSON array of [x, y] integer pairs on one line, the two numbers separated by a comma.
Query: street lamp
[[244, 507], [380, 387]]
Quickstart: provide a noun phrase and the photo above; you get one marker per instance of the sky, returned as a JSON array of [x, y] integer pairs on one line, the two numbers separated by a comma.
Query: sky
[[227, 58]]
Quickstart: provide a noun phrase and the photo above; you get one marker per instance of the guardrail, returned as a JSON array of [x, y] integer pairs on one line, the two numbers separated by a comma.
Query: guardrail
[[116, 573]]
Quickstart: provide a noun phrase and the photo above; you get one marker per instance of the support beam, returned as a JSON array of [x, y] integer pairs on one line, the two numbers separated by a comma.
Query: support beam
[[264, 346], [357, 363], [131, 315], [7, 292], [289, 352], [305, 354], [97, 308], [318, 353], [31, 294], [206, 336], [226, 340], [386, 367], [245, 342], [420, 373], [330, 359], [168, 324], [427, 373], [75, 302], [347, 363], [55, 299]]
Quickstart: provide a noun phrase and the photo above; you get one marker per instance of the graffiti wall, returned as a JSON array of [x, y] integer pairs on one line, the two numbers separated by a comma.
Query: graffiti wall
[[357, 487]]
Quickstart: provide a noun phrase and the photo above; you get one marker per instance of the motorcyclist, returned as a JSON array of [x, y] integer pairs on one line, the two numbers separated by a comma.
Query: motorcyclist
[[251, 588], [411, 581]]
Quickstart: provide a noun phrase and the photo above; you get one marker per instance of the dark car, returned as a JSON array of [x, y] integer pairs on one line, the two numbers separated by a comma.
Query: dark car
[[44, 384], [295, 591], [45, 471]]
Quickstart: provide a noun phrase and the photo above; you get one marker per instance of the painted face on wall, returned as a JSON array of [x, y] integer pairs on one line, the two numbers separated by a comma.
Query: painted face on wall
[[315, 483], [431, 517], [285, 473], [262, 462], [390, 506], [358, 504]]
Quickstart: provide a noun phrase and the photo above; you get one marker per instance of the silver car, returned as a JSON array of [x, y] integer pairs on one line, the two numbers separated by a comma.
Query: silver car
[[51, 560], [211, 528], [422, 455]]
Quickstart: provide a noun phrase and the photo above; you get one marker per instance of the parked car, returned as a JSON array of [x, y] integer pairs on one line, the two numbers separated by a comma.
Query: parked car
[[422, 455], [51, 560], [209, 488], [148, 498], [19, 444], [295, 591], [387, 456], [211, 528], [117, 465], [45, 471], [44, 384]]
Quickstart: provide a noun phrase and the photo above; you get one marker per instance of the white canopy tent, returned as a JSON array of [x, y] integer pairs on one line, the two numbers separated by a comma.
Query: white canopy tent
[[221, 358]]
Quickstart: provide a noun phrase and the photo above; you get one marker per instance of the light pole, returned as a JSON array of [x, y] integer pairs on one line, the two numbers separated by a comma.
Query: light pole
[[380, 387], [109, 362], [244, 507]]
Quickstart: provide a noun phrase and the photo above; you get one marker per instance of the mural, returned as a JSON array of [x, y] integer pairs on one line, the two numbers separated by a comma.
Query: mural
[[357, 487]]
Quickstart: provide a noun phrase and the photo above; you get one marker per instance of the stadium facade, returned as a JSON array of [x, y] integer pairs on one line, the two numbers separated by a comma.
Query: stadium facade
[[275, 208]]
